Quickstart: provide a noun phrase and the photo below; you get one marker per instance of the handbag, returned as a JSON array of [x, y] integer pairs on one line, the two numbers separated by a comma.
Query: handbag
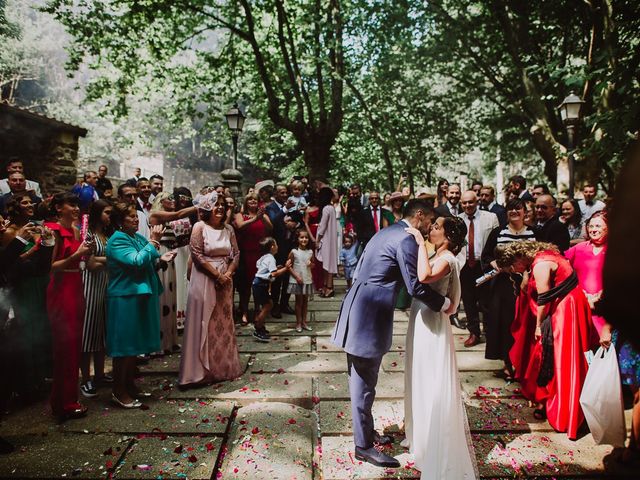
[[601, 399]]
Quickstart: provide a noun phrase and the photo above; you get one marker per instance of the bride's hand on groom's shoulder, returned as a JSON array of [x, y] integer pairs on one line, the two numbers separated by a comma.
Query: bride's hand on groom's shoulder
[[416, 234]]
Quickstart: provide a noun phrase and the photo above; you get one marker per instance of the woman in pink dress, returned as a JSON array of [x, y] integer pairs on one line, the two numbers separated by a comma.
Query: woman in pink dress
[[210, 350], [327, 240], [252, 225], [65, 306], [587, 259]]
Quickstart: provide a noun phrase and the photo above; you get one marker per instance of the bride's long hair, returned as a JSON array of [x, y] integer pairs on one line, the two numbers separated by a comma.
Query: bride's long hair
[[455, 231]]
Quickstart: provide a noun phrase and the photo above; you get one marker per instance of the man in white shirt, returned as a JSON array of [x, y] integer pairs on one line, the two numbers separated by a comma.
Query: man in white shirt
[[15, 166], [589, 205], [479, 225]]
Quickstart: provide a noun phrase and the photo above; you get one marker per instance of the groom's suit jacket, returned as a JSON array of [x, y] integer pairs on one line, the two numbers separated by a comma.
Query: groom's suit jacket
[[365, 322]]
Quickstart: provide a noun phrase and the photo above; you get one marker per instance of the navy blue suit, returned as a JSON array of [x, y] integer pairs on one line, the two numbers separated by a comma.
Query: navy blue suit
[[365, 324]]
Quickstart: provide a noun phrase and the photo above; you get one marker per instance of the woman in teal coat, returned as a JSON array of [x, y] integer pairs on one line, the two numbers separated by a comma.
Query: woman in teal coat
[[133, 308]]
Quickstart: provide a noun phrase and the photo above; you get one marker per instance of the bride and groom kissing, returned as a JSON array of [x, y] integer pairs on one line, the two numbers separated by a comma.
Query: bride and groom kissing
[[436, 429]]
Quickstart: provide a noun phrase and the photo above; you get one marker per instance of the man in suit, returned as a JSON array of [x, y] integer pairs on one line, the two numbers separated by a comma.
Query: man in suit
[[371, 219], [488, 204], [356, 192], [549, 228], [283, 229], [365, 323], [452, 207], [518, 187], [479, 225]]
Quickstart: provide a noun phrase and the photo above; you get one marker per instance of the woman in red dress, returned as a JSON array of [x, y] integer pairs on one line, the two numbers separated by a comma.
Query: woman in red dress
[[65, 306], [311, 221], [252, 225], [557, 334]]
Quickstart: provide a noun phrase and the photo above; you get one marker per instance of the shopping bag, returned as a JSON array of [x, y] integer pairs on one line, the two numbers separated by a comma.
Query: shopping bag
[[601, 399]]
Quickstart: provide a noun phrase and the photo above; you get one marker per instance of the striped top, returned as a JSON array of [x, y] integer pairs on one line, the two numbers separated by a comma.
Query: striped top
[[507, 236], [95, 290]]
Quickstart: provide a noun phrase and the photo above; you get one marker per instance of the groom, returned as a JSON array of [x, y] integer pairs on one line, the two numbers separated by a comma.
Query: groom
[[365, 323]]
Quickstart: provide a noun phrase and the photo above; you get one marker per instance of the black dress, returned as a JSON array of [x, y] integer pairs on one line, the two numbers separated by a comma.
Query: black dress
[[504, 290]]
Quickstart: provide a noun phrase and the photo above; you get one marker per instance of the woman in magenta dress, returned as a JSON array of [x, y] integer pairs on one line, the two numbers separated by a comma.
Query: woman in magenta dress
[[562, 331], [252, 226], [65, 306], [587, 259]]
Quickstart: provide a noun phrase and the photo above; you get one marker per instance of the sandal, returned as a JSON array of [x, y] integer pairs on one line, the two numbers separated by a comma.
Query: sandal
[[328, 293], [540, 413]]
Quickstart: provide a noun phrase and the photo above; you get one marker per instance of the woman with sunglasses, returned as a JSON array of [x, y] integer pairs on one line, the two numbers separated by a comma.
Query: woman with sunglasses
[[163, 212], [505, 286]]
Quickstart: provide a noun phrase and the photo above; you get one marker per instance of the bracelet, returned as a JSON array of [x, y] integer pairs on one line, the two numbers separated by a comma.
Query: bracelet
[[155, 243]]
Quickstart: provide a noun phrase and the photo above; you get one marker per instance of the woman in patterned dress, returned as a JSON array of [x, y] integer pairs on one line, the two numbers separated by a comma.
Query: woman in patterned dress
[[210, 350], [95, 281], [163, 212]]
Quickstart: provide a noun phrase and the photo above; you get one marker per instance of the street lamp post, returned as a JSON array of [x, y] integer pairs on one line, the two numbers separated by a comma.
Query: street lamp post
[[232, 177], [570, 113]]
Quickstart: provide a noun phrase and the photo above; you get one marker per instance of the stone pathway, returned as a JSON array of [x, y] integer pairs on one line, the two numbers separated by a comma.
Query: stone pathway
[[287, 417]]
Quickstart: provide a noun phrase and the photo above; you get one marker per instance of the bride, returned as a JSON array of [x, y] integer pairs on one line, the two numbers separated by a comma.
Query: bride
[[437, 431]]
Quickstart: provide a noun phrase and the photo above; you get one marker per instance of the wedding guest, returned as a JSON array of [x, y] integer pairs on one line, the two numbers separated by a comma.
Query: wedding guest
[[182, 230], [572, 218], [232, 209], [349, 258], [15, 165], [28, 278], [128, 193], [479, 225], [95, 280], [587, 259], [441, 192], [327, 240], [452, 207], [300, 281], [103, 184], [86, 191], [394, 214], [355, 191], [562, 332], [505, 287], [476, 186], [157, 185], [529, 214], [518, 187], [252, 226], [488, 203], [589, 204], [65, 306], [17, 186], [540, 189], [133, 306], [374, 214], [265, 190], [548, 227], [311, 222], [210, 351]]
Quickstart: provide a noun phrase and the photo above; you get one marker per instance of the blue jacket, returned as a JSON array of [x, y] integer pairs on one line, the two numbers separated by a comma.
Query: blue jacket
[[131, 263], [365, 323]]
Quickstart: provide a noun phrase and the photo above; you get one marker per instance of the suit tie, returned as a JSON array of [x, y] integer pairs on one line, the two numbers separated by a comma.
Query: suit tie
[[472, 237], [376, 225], [147, 206]]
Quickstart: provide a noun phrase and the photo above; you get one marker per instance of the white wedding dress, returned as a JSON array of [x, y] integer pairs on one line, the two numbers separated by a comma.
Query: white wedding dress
[[436, 426]]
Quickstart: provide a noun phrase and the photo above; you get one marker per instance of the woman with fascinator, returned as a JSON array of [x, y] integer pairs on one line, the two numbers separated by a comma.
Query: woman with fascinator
[[210, 350], [436, 429]]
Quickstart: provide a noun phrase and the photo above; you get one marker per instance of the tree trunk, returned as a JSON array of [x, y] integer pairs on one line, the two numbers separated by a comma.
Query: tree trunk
[[317, 156]]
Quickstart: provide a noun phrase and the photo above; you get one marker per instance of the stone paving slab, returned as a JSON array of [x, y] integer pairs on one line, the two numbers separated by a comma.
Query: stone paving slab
[[323, 343], [485, 384], [271, 441], [332, 316], [541, 453], [170, 457], [335, 386], [325, 306], [59, 455], [204, 417], [474, 361], [276, 329], [277, 344], [300, 363], [502, 414], [290, 388], [322, 328], [339, 463], [335, 416], [171, 364]]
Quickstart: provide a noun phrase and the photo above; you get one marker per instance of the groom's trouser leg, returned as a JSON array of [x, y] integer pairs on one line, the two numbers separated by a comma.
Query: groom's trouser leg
[[363, 377]]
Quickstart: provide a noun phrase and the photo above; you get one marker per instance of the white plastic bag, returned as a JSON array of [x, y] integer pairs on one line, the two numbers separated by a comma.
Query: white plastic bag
[[601, 399]]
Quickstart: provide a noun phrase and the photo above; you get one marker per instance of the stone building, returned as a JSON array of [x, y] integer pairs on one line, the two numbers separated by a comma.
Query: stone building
[[47, 147]]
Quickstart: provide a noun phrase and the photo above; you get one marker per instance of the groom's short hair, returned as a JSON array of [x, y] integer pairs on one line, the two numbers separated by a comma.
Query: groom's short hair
[[413, 206]]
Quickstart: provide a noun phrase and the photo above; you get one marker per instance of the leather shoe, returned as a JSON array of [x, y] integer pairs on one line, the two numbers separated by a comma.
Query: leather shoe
[[373, 456], [455, 321], [472, 341], [382, 439]]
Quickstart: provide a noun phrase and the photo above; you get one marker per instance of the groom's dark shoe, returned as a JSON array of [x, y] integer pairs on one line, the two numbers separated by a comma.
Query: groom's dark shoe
[[455, 321], [382, 439], [376, 458]]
